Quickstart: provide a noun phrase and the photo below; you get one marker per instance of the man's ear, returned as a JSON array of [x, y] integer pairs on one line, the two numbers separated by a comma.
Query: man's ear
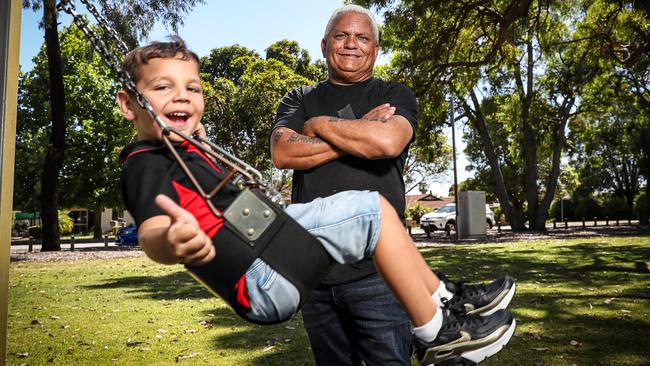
[[323, 47], [126, 104]]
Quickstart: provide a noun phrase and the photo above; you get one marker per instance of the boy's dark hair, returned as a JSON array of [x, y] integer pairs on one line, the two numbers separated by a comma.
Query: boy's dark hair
[[141, 55]]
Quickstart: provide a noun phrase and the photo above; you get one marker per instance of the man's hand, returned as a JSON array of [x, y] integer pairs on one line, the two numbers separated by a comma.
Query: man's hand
[[185, 238], [380, 113]]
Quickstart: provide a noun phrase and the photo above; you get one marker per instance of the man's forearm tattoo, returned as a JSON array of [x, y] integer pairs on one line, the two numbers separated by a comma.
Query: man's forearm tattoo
[[295, 137], [372, 119], [375, 119], [277, 135]]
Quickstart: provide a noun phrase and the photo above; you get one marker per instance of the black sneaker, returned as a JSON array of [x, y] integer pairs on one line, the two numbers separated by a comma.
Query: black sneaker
[[466, 340], [480, 299]]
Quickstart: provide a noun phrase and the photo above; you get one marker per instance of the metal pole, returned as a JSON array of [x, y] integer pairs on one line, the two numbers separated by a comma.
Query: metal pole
[[10, 13], [453, 146]]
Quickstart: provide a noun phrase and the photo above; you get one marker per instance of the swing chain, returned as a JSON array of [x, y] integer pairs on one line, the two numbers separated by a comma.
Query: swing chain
[[104, 23]]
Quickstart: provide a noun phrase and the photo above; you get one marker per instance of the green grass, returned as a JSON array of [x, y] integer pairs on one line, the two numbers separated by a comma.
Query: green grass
[[579, 301]]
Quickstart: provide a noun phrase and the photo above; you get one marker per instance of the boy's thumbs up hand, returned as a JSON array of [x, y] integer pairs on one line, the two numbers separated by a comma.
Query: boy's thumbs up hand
[[185, 238]]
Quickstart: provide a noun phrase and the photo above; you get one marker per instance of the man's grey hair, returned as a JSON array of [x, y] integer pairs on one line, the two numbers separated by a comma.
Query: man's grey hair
[[352, 9]]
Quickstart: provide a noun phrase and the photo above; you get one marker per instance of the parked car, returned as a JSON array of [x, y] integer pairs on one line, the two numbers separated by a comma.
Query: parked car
[[127, 235], [445, 219]]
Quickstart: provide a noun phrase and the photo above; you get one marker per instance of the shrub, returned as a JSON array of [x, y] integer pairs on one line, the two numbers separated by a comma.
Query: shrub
[[615, 207], [66, 223], [640, 207], [416, 212], [586, 207]]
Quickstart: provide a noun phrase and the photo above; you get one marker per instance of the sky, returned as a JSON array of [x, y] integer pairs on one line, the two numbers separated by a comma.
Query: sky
[[252, 24]]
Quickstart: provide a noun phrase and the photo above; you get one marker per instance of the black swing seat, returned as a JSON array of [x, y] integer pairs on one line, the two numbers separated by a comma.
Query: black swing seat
[[254, 228]]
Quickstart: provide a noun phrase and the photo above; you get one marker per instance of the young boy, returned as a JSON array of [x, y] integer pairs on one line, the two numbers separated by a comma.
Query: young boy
[[175, 225]]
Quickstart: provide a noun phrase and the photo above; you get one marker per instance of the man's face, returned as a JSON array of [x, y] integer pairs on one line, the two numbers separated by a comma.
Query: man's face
[[350, 49], [173, 87]]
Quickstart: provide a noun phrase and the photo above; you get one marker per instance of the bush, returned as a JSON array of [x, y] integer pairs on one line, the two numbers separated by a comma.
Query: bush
[[66, 223], [640, 207], [555, 211], [586, 207], [416, 212], [616, 207]]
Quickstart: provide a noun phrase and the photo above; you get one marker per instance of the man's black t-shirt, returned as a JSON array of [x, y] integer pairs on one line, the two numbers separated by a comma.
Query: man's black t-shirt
[[348, 172]]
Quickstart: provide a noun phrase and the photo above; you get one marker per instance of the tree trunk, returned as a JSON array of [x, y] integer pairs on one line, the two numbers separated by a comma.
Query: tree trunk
[[514, 217], [97, 223], [552, 179], [55, 151]]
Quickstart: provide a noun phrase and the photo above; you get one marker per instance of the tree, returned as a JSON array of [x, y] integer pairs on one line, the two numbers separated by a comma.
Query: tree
[[518, 69], [297, 59], [89, 175], [242, 92], [604, 150], [133, 20]]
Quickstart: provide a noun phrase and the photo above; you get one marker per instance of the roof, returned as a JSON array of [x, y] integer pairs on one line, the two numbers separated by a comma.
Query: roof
[[427, 200]]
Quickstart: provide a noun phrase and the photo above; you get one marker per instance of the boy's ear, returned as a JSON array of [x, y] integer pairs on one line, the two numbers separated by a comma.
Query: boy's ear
[[126, 104]]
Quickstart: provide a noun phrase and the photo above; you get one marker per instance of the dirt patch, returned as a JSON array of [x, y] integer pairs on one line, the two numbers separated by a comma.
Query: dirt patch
[[494, 236], [421, 240], [80, 254]]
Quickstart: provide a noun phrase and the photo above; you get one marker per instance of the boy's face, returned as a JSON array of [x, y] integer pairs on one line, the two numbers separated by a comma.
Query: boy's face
[[173, 87]]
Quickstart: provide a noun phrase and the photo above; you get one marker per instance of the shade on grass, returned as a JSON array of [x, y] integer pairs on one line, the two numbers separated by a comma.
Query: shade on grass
[[579, 301]]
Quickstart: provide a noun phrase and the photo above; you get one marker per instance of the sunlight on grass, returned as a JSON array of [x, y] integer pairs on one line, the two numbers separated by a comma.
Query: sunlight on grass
[[579, 301]]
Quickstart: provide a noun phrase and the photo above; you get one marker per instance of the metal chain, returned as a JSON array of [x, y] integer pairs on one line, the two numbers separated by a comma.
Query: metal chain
[[104, 23], [253, 176]]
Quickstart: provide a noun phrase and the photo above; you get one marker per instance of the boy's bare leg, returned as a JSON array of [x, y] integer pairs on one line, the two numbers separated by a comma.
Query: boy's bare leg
[[402, 272], [430, 279]]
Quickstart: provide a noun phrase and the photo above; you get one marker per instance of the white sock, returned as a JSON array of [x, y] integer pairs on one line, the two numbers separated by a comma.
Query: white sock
[[429, 331], [441, 292]]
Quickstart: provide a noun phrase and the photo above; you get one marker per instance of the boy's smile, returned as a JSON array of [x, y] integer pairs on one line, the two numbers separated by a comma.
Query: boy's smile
[[173, 87]]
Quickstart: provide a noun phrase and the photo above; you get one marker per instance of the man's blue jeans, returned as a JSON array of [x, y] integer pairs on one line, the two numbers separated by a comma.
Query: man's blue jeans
[[359, 321]]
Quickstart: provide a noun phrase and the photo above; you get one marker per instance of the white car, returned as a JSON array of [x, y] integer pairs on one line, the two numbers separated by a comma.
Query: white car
[[445, 219]]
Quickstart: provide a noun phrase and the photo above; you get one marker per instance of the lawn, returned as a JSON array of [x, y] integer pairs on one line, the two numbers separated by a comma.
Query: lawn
[[579, 302]]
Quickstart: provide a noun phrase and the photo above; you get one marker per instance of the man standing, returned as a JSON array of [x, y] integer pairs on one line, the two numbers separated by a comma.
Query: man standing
[[352, 132]]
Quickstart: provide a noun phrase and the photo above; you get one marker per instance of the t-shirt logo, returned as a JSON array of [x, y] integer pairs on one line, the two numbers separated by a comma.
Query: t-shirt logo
[[346, 112]]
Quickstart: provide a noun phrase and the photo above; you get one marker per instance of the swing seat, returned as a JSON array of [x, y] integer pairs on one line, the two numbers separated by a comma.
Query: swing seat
[[254, 228]]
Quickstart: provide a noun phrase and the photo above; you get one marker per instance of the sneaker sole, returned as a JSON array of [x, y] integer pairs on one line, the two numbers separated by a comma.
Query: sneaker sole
[[497, 340], [500, 302], [481, 354]]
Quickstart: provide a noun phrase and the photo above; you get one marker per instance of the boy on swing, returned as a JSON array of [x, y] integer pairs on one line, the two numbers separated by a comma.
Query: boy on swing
[[176, 226]]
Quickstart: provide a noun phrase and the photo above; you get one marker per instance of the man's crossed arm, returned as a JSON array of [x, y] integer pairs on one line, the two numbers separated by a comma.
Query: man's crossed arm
[[379, 134]]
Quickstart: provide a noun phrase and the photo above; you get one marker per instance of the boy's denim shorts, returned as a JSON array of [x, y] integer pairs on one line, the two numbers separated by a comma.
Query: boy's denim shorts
[[347, 224]]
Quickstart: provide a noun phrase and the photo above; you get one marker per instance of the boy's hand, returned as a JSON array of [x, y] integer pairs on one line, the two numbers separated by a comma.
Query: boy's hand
[[186, 239]]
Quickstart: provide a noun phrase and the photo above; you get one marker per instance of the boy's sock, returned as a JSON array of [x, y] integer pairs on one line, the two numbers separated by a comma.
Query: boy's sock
[[441, 292], [429, 331]]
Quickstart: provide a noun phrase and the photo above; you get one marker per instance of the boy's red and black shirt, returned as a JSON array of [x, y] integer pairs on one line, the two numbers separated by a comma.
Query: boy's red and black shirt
[[149, 169]]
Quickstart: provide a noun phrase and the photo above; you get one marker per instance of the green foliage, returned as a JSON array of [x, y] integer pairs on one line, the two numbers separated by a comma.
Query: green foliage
[[221, 63], [585, 207], [66, 223], [416, 212], [242, 93], [641, 205], [96, 132], [616, 207], [523, 72]]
